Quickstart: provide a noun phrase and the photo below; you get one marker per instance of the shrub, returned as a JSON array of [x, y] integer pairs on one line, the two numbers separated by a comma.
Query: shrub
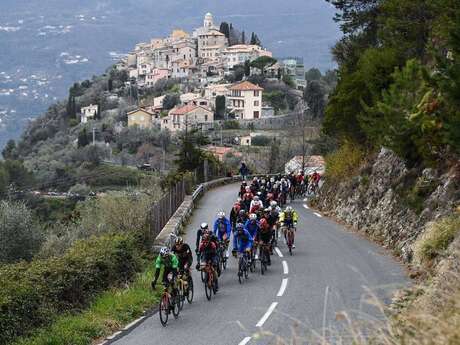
[[261, 140], [345, 162], [437, 238], [20, 237], [80, 189], [231, 124], [31, 294]]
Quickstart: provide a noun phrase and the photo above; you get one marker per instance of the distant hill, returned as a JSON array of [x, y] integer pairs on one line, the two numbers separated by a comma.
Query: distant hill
[[47, 45]]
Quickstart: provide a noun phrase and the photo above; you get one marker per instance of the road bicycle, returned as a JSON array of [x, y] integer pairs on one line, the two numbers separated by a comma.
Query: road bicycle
[[210, 280], [223, 248], [169, 302], [290, 234], [243, 263], [264, 256], [185, 287]]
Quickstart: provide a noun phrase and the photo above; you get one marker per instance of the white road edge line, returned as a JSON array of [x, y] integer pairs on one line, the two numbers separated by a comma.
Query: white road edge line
[[306, 206], [282, 287], [245, 341], [278, 251], [133, 323], [267, 314], [285, 267], [318, 215]]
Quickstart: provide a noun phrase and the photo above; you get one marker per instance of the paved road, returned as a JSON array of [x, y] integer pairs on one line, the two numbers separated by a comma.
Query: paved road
[[330, 271]]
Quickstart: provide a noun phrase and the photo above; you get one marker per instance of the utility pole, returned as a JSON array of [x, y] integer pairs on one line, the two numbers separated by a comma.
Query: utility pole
[[94, 135]]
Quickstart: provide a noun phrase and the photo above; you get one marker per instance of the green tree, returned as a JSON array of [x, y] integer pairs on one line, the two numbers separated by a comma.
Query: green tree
[[262, 63], [221, 108], [170, 101], [225, 29], [313, 74], [9, 152], [83, 139], [190, 156], [315, 97], [247, 68], [255, 40], [20, 238]]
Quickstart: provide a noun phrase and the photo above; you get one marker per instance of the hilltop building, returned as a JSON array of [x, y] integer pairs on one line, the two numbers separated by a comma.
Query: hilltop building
[[88, 113], [245, 101], [187, 116]]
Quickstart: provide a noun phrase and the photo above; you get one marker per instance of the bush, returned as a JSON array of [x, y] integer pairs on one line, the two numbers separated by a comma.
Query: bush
[[20, 237], [109, 175], [80, 189], [231, 124], [437, 238], [261, 140], [31, 294], [345, 162]]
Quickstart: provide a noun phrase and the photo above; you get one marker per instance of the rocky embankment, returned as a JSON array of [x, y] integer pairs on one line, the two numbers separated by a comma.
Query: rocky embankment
[[390, 202]]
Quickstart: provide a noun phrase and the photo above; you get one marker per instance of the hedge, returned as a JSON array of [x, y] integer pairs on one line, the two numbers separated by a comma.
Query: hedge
[[33, 294]]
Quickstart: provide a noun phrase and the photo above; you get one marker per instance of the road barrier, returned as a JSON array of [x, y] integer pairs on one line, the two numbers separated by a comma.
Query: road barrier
[[178, 220]]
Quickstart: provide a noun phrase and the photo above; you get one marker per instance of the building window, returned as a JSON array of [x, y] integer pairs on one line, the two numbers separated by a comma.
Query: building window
[[256, 103], [256, 114], [256, 93], [206, 118]]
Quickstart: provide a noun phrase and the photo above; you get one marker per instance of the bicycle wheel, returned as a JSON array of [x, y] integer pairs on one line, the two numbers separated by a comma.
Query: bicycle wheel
[[240, 271], [203, 275], [262, 264], [224, 262], [190, 290], [207, 287], [181, 295], [164, 310], [246, 273], [176, 305]]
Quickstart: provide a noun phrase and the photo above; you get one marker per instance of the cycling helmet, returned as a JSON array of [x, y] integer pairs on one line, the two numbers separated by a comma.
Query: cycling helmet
[[268, 209], [272, 179], [239, 226], [221, 214], [273, 203], [253, 216], [238, 200], [263, 223], [242, 212], [164, 251], [179, 240], [204, 226], [256, 198], [248, 189], [289, 209]]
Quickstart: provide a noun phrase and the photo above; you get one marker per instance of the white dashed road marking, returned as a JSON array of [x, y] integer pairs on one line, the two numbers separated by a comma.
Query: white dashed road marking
[[306, 206], [245, 341], [318, 215], [285, 267], [267, 314], [278, 251], [282, 287]]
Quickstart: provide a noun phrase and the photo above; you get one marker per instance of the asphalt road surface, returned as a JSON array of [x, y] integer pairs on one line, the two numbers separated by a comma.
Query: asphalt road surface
[[331, 270]]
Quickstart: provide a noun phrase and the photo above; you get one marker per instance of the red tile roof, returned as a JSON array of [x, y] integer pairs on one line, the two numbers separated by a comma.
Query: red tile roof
[[186, 109], [246, 86]]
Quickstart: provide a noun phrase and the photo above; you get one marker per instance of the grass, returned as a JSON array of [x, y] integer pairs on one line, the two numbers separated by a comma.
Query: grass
[[437, 238], [345, 162], [108, 313]]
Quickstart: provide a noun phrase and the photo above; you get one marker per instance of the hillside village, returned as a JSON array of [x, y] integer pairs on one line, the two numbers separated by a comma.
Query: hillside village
[[206, 60], [244, 103]]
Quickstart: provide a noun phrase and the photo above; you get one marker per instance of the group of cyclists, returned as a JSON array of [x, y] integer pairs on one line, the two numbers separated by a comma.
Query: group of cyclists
[[256, 221]]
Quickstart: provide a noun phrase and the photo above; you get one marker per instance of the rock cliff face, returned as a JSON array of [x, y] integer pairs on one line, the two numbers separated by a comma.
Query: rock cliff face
[[390, 202]]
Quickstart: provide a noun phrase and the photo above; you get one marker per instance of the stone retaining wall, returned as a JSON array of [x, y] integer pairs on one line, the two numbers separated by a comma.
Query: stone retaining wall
[[185, 210]]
